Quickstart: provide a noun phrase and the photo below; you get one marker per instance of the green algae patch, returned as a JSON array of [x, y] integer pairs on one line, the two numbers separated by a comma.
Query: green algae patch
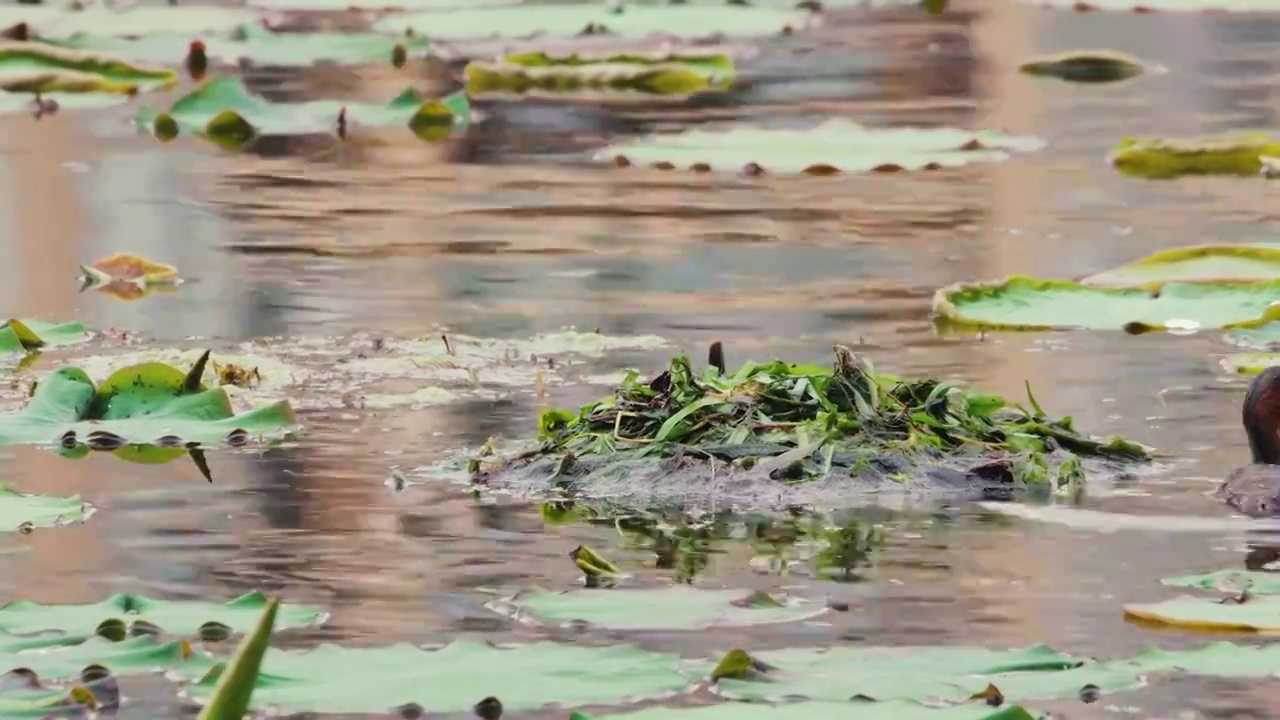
[[670, 80], [835, 146], [1086, 66], [1163, 159], [257, 46], [674, 608], [566, 21], [33, 67], [1021, 303], [1247, 613], [1198, 263], [20, 336], [1255, 581], [448, 679], [21, 512], [134, 612], [773, 424], [822, 711], [149, 403], [224, 112]]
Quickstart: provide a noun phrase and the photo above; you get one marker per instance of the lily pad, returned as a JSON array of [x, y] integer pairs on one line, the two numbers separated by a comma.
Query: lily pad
[[1162, 159], [450, 679], [1256, 614], [834, 146], [17, 336], [1198, 263], [225, 112], [39, 67], [674, 608], [19, 511], [1255, 581], [151, 403], [258, 46], [1145, 6], [1263, 337], [822, 711], [1086, 66], [682, 21], [912, 673], [672, 80], [183, 617], [1024, 303], [49, 22], [55, 661], [376, 5]]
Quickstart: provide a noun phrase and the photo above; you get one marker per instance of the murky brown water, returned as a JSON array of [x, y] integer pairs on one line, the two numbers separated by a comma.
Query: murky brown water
[[525, 237]]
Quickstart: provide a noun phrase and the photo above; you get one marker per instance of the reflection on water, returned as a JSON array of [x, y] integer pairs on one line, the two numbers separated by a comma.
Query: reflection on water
[[512, 233]]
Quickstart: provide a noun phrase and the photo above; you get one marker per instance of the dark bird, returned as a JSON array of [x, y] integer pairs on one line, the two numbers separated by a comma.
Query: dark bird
[[197, 60], [1255, 489]]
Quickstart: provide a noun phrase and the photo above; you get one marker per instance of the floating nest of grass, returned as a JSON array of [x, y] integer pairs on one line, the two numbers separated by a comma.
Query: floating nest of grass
[[778, 424]]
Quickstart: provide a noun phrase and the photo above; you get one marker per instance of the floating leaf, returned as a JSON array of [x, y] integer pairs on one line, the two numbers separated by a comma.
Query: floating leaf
[[127, 276], [1198, 263], [22, 695], [1250, 363], [257, 46], [1263, 337], [1024, 303], [151, 403], [684, 21], [1161, 159], [18, 336], [37, 67], [1256, 581], [1086, 66], [54, 659], [1147, 6], [709, 63], [224, 112], [643, 80], [834, 146], [674, 608], [919, 673], [234, 689], [344, 5], [22, 512], [821, 711], [335, 679], [183, 617], [51, 22], [1260, 614]]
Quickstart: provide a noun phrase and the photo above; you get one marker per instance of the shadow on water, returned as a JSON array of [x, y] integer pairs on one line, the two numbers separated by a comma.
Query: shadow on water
[[517, 233]]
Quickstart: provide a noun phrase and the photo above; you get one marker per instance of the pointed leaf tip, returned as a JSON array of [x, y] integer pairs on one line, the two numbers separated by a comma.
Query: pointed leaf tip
[[191, 384]]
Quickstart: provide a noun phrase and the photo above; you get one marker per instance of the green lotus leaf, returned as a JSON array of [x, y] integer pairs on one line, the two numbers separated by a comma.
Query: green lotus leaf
[[1162, 159], [644, 80], [1086, 66], [19, 511], [24, 696], [52, 658], [376, 5], [822, 711], [915, 673], [1255, 581], [225, 112], [450, 679], [19, 336], [1198, 263], [49, 22], [43, 68], [1263, 337], [150, 403], [1024, 303], [1255, 614], [183, 617], [258, 46], [834, 146], [684, 21], [706, 63], [1164, 5], [674, 608]]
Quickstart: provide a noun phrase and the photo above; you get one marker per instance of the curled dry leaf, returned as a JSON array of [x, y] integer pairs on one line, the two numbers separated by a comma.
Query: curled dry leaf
[[126, 276]]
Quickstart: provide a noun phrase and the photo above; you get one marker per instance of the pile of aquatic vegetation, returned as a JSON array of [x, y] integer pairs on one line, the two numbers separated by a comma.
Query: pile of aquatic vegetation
[[672, 74], [1087, 66], [224, 112], [835, 146], [1161, 159], [1181, 290], [776, 422]]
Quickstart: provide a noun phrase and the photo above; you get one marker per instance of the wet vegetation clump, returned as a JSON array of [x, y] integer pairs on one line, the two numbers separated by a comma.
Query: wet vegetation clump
[[798, 424]]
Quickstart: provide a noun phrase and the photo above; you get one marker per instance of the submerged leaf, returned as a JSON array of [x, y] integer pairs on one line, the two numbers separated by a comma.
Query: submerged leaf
[[832, 147]]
